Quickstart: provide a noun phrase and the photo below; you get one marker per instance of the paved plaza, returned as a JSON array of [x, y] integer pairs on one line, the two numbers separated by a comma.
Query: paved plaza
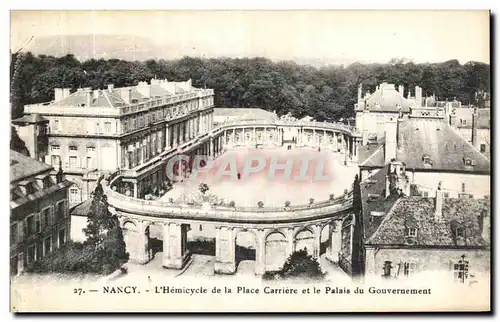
[[275, 190]]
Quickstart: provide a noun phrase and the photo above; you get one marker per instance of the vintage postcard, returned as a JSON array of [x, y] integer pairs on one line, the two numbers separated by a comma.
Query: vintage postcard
[[250, 161]]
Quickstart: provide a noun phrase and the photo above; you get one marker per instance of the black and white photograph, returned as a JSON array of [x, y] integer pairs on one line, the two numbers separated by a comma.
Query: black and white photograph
[[250, 161]]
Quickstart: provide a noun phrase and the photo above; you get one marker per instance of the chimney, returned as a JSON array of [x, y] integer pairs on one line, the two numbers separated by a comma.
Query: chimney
[[126, 94], [409, 95], [58, 94], [111, 87], [418, 95], [401, 90], [96, 94], [438, 204], [391, 142], [66, 92], [474, 127], [485, 226], [144, 89], [39, 181], [365, 137], [88, 96], [360, 91]]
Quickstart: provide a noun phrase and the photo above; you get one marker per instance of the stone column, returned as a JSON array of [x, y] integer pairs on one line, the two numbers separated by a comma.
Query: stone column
[[225, 256], [290, 246], [233, 137], [324, 141], [174, 135], [254, 136], [175, 253], [335, 141], [211, 151], [260, 253], [335, 241], [370, 268], [317, 240], [141, 254], [135, 189]]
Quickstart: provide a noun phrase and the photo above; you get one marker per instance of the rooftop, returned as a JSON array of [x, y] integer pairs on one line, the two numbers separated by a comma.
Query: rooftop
[[418, 212], [249, 114], [427, 137], [22, 167], [387, 99], [31, 119]]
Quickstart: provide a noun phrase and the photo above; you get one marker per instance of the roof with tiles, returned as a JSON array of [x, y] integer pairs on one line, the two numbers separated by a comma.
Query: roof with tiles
[[22, 167], [31, 119], [418, 212], [387, 99], [373, 200], [419, 137], [112, 97]]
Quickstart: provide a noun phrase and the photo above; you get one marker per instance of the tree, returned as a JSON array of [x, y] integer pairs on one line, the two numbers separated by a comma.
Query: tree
[[16, 143], [357, 209], [301, 265], [104, 233]]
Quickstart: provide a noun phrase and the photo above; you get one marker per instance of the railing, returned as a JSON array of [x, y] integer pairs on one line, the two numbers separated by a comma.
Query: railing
[[222, 212], [324, 125]]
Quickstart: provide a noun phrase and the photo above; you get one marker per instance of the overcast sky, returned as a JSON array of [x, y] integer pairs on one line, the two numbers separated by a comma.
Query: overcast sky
[[328, 36]]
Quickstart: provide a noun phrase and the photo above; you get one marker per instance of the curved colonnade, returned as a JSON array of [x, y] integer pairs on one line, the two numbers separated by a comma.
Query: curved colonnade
[[277, 231]]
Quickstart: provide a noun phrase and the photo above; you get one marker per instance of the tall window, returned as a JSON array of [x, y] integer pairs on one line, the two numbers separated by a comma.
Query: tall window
[[30, 222], [30, 254], [47, 245], [46, 217], [72, 162], [107, 127], [13, 233], [98, 127], [74, 195], [56, 125], [54, 160], [409, 268], [461, 270], [88, 162], [62, 236], [60, 211], [482, 148]]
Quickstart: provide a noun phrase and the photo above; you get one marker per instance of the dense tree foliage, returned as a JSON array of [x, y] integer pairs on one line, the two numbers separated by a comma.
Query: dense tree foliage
[[324, 93], [102, 253], [299, 265]]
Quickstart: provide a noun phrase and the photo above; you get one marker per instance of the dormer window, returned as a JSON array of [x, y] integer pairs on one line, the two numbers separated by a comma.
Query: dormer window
[[463, 122], [459, 232], [469, 162], [411, 232], [426, 159]]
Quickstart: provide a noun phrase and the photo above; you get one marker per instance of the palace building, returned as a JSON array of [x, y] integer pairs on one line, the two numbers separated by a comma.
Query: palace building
[[474, 124], [39, 221], [132, 128], [404, 233], [432, 151]]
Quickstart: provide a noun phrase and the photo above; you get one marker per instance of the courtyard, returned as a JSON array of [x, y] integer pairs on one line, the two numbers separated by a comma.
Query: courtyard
[[314, 175]]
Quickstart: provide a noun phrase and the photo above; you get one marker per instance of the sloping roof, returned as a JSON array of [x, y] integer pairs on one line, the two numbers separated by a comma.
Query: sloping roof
[[373, 200], [445, 147], [432, 232], [484, 118], [245, 113], [31, 118], [386, 99], [81, 209], [22, 166]]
